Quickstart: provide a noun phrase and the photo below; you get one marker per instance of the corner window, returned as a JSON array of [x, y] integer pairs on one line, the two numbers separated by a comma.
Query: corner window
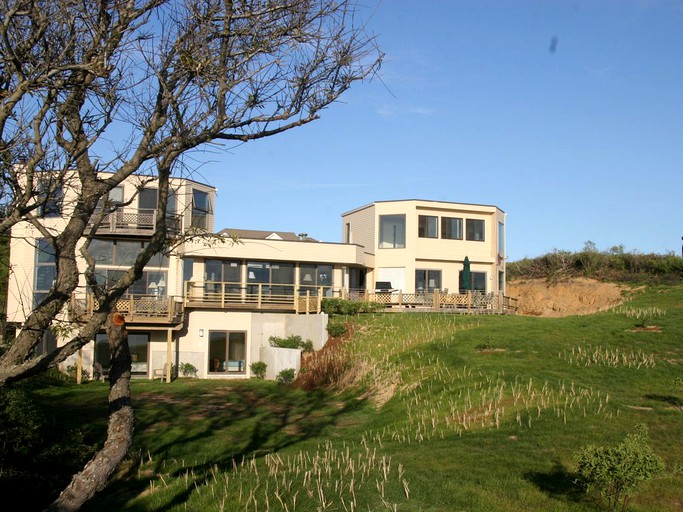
[[451, 228], [501, 239], [45, 270], [427, 226], [475, 230], [227, 351], [201, 208], [392, 231], [50, 197]]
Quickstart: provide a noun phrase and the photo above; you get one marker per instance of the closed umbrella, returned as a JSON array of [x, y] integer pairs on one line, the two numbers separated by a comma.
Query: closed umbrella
[[466, 275]]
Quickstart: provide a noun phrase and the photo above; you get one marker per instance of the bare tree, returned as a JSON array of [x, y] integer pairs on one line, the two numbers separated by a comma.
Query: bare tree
[[94, 92]]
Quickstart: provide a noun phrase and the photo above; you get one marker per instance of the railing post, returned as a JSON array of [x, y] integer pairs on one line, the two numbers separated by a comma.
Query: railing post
[[469, 299], [258, 299], [222, 295], [437, 300], [131, 306]]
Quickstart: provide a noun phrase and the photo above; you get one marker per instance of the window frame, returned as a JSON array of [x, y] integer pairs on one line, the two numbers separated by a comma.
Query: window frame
[[427, 226], [428, 275], [224, 367], [448, 222], [398, 240], [471, 230]]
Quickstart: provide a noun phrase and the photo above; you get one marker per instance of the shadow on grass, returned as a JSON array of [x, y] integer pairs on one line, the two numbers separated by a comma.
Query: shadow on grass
[[667, 399], [221, 426], [558, 483]]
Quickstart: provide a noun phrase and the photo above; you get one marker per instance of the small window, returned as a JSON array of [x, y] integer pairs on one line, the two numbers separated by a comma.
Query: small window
[[427, 226], [451, 228], [475, 230], [50, 196], [501, 239]]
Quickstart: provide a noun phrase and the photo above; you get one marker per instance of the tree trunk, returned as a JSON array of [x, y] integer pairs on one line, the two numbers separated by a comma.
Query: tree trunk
[[96, 473]]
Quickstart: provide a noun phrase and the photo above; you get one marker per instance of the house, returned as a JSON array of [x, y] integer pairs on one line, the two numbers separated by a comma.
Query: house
[[216, 299], [420, 246]]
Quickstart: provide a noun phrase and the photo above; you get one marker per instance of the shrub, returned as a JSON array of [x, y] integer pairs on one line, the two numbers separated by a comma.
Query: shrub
[[293, 341], [333, 306], [286, 376], [336, 329], [258, 368], [72, 371], [614, 472], [188, 370]]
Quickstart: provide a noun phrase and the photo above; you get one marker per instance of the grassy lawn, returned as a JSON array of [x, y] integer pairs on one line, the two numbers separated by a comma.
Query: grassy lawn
[[443, 413]]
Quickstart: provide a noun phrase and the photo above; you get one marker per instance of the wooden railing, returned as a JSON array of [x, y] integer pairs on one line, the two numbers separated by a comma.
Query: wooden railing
[[254, 296], [475, 302], [137, 221], [136, 308]]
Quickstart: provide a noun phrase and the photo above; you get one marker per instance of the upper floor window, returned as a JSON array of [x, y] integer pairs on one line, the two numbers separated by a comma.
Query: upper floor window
[[50, 197], [201, 208], [149, 198], [501, 239], [45, 270], [427, 226], [392, 231], [475, 230], [347, 233], [122, 253], [451, 228]]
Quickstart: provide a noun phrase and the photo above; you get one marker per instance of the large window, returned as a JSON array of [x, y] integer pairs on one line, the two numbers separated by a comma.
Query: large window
[[226, 352], [392, 231], [451, 228], [477, 282], [152, 282], [427, 280], [270, 275], [201, 208], [314, 277], [475, 229], [137, 342], [122, 253], [45, 270], [222, 271], [427, 226]]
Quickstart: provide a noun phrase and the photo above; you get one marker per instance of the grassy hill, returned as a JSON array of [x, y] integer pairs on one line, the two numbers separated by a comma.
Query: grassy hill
[[427, 412]]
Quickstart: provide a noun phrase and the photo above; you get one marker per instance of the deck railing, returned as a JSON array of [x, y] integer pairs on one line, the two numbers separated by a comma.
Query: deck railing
[[136, 308], [255, 296], [137, 221]]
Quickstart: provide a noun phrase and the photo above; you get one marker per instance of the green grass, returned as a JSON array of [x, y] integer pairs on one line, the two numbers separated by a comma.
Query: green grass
[[445, 413]]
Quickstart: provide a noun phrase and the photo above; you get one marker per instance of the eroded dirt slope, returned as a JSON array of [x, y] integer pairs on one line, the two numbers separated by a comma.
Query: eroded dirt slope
[[577, 296]]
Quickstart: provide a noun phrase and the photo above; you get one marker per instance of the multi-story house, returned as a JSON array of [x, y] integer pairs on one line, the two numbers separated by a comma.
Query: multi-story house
[[216, 301], [421, 246]]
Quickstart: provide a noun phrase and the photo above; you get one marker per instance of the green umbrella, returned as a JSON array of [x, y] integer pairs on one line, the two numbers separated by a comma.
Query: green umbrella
[[466, 275]]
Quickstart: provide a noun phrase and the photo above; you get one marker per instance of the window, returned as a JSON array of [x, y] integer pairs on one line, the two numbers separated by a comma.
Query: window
[[501, 239], [218, 272], [477, 283], [151, 282], [269, 275], [475, 229], [50, 197], [427, 280], [451, 228], [122, 253], [137, 342], [392, 231], [347, 233], [427, 226], [226, 352], [201, 208], [314, 277], [45, 270], [148, 200]]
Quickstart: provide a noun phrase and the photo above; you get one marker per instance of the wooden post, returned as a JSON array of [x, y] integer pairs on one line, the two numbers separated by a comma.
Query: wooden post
[[169, 354], [79, 366]]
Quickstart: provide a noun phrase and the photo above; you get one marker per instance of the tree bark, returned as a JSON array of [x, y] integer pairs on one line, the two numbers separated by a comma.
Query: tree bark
[[97, 472]]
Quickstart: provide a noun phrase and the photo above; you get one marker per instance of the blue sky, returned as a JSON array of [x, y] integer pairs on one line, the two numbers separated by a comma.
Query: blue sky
[[581, 143]]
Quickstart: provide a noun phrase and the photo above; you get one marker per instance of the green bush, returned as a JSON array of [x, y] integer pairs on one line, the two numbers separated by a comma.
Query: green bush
[[72, 370], [336, 329], [188, 370], [614, 472], [293, 341], [258, 368], [286, 376], [333, 306]]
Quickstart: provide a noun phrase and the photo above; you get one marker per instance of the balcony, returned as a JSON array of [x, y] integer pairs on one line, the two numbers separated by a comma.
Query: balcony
[[283, 298], [136, 221], [137, 309]]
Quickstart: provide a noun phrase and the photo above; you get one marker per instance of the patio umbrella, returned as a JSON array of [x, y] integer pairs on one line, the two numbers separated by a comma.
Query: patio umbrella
[[466, 275]]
